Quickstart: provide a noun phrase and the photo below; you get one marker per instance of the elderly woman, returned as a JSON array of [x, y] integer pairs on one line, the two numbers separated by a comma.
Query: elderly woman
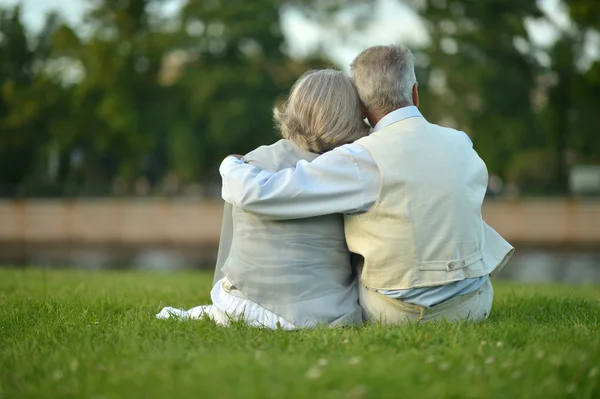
[[295, 273]]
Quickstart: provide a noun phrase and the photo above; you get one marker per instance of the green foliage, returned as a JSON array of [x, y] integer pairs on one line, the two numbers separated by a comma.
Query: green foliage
[[133, 94], [93, 334], [515, 99], [138, 94]]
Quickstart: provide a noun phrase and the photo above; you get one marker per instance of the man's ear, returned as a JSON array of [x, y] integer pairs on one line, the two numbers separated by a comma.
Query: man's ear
[[363, 111], [415, 94]]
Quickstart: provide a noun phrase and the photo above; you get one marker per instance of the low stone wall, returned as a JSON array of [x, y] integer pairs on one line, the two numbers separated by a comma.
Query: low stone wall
[[111, 221], [176, 222], [549, 222]]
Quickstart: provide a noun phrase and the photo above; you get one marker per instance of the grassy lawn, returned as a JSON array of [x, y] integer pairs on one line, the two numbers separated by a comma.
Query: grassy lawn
[[93, 335]]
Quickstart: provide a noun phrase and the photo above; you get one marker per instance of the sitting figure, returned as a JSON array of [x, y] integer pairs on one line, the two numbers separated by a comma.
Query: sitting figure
[[293, 273]]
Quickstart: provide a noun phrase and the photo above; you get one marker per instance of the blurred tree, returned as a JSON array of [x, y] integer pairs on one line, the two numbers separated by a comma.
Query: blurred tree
[[227, 54], [232, 67], [481, 74], [529, 110], [115, 100], [133, 93], [30, 102], [16, 63], [574, 98]]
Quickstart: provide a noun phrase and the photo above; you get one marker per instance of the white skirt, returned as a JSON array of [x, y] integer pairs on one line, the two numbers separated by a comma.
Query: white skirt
[[227, 307]]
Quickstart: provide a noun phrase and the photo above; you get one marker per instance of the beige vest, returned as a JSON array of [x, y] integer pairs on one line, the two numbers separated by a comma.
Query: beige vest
[[426, 227]]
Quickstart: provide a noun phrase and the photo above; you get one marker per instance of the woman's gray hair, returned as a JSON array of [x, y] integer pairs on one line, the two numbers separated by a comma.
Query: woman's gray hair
[[322, 112], [384, 77]]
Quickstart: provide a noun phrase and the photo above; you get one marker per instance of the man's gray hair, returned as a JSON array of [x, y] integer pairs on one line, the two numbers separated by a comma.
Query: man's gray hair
[[322, 112], [384, 77]]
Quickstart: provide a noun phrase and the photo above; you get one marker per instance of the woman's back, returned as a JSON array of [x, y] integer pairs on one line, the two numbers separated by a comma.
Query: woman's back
[[298, 269]]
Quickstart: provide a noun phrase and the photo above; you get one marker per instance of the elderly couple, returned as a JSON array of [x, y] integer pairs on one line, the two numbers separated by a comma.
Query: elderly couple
[[339, 223]]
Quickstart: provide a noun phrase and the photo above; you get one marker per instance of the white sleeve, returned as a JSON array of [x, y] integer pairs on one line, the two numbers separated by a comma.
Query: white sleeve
[[345, 180]]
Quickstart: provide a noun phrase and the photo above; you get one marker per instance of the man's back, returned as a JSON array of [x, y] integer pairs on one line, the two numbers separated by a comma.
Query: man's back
[[425, 228]]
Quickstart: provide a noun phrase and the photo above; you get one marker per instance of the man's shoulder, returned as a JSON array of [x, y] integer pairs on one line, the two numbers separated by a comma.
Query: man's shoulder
[[417, 126], [454, 133], [355, 148], [448, 132]]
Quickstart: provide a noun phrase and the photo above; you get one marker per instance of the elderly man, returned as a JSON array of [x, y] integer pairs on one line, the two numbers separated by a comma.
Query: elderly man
[[412, 193]]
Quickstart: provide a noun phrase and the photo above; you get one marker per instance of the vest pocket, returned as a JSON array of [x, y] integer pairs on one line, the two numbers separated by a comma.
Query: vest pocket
[[451, 265]]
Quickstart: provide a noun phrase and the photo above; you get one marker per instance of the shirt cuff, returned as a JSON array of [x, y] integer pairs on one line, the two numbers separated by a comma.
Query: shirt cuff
[[228, 163]]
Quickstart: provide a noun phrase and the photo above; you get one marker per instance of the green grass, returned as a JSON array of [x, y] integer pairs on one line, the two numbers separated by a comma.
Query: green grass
[[93, 335]]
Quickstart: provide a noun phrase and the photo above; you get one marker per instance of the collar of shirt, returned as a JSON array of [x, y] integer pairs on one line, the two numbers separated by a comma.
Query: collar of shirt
[[396, 116]]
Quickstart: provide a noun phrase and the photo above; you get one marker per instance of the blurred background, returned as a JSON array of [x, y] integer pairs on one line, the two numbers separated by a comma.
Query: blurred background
[[115, 114]]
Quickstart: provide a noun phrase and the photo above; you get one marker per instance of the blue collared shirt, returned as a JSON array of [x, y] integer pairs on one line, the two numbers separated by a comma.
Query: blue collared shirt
[[344, 180]]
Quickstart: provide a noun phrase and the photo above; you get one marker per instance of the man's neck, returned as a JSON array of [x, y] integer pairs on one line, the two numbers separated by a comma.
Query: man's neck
[[374, 120], [394, 116]]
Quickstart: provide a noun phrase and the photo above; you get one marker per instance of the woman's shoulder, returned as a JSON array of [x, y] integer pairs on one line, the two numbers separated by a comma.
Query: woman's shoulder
[[279, 155]]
